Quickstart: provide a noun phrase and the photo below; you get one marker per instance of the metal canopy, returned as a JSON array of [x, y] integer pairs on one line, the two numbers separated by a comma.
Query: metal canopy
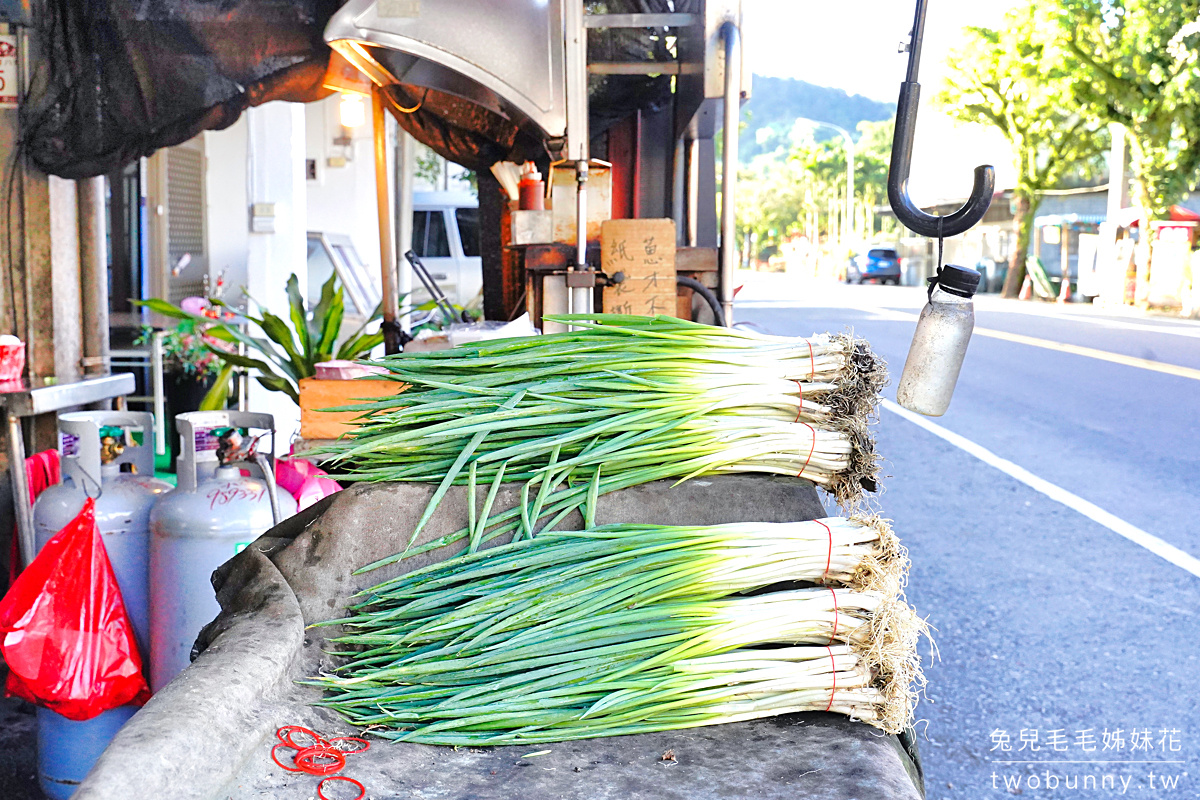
[[504, 55]]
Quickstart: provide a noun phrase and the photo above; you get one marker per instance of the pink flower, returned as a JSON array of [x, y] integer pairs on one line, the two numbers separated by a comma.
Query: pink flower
[[194, 305]]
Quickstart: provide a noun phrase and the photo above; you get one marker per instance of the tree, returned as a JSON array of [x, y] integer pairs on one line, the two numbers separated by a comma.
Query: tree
[[1017, 80], [1134, 62], [778, 190], [825, 163]]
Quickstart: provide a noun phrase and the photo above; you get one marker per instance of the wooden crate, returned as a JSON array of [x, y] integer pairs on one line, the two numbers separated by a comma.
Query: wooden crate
[[317, 395]]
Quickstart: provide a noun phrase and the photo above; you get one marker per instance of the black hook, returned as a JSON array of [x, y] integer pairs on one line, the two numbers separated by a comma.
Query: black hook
[[906, 211]]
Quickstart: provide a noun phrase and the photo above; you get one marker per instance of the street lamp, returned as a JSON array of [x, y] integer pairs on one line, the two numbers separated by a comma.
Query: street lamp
[[845, 134]]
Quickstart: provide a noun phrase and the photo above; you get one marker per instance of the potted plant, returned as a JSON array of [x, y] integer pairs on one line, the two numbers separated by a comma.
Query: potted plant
[[278, 354]]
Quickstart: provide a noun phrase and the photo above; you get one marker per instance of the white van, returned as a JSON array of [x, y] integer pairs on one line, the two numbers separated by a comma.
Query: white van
[[446, 238]]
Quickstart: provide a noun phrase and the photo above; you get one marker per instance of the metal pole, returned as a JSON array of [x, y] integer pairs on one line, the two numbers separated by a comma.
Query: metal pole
[[406, 159], [20, 485], [579, 298], [678, 192], [387, 261], [93, 275], [733, 97], [693, 192], [160, 395], [1064, 258]]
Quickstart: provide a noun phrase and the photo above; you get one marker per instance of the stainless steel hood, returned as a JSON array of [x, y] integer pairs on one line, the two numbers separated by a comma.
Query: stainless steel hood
[[504, 55]]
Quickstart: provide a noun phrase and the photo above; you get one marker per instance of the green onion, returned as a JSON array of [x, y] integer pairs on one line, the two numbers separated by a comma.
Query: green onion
[[622, 401], [632, 628]]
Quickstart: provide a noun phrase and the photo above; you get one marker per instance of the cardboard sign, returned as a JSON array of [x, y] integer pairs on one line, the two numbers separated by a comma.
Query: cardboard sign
[[644, 251], [8, 71]]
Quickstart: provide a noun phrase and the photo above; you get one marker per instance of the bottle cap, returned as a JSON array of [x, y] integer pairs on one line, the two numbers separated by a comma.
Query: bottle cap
[[529, 172], [961, 281]]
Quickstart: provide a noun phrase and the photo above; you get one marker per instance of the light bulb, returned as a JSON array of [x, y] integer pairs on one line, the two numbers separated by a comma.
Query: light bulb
[[353, 110]]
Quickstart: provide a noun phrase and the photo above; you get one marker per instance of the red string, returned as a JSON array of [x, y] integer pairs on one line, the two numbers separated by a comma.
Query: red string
[[833, 688], [828, 558], [811, 450], [800, 410], [812, 363]]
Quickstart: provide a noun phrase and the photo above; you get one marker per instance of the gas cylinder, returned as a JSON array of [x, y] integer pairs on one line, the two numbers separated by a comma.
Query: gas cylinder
[[102, 458], [215, 513]]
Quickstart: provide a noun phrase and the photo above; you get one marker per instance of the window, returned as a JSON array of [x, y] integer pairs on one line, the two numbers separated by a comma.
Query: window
[[333, 252], [429, 235], [468, 230], [320, 267], [883, 254]]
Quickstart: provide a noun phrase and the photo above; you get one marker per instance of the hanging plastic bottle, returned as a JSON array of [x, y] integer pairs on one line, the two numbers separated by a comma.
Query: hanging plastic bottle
[[940, 342]]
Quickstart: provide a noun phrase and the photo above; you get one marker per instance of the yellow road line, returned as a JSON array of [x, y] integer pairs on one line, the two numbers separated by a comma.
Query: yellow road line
[[1091, 352]]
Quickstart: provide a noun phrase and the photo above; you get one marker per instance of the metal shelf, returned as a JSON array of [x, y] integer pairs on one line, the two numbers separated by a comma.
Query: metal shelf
[[21, 401]]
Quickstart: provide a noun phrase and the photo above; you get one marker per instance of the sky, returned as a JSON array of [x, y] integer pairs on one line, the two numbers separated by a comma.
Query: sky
[[852, 45], [831, 44]]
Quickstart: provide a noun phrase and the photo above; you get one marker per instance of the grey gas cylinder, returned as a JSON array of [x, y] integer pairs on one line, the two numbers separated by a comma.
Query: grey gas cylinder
[[203, 524]]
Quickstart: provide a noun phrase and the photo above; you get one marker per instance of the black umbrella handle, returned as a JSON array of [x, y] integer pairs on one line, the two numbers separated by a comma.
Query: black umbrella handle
[[906, 211]]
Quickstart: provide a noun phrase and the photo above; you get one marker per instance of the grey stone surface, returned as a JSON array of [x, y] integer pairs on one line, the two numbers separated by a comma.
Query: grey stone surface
[[209, 733]]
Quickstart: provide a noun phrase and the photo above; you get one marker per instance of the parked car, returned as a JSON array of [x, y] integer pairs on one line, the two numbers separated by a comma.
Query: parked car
[[446, 238], [880, 264]]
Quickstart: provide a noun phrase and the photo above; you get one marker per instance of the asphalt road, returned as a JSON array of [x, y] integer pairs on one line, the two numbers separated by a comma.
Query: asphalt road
[[1047, 623]]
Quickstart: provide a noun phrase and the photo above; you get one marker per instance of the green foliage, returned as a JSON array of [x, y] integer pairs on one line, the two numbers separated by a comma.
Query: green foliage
[[825, 163], [283, 354], [429, 165], [186, 350], [777, 191], [1018, 81], [1135, 62]]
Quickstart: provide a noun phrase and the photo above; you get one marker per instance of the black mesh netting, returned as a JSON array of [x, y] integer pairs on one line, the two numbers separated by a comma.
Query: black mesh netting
[[116, 80]]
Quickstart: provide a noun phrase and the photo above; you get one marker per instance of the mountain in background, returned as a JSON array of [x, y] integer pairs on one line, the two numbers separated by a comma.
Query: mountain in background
[[776, 103]]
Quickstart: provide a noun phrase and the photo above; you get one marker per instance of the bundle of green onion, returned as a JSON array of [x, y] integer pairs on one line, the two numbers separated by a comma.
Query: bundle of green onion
[[633, 628], [622, 401]]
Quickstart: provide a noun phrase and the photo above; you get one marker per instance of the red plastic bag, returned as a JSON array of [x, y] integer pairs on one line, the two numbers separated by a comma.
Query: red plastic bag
[[304, 480], [66, 636], [42, 470]]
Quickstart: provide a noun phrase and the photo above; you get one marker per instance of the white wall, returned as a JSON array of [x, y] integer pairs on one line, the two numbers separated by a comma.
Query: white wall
[[227, 207], [260, 159], [342, 199]]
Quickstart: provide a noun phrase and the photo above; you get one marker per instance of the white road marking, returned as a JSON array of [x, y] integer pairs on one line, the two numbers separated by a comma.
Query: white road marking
[[1061, 347], [1172, 328], [1091, 352], [1169, 552]]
